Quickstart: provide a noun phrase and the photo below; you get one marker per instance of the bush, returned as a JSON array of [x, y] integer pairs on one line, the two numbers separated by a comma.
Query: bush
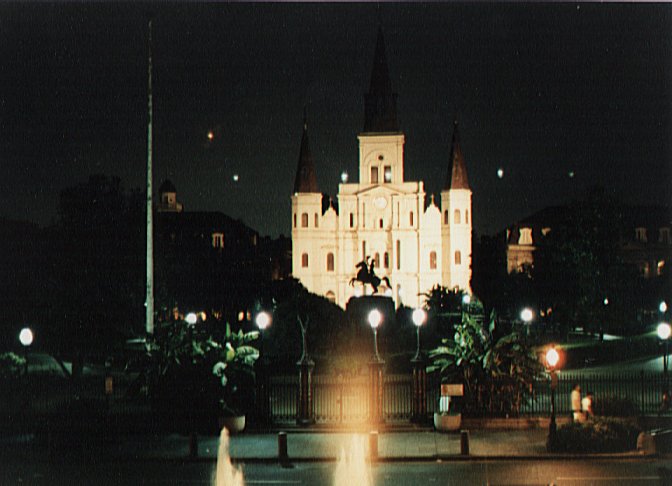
[[601, 434], [613, 406]]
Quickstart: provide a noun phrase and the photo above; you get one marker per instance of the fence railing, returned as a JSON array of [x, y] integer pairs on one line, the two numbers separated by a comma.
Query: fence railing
[[336, 399]]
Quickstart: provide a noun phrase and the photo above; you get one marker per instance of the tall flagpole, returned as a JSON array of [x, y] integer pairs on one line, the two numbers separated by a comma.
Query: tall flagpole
[[149, 301]]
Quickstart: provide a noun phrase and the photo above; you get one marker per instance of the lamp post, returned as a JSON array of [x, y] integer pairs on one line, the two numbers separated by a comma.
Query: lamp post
[[419, 412], [262, 320], [375, 372], [552, 360], [527, 315], [375, 318], [26, 339], [664, 330]]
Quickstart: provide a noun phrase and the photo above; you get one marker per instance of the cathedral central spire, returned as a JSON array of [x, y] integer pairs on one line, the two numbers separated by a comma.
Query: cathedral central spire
[[457, 170], [380, 103], [306, 179]]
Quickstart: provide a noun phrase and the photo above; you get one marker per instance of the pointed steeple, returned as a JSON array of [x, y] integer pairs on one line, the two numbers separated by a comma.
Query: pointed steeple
[[306, 180], [457, 170], [380, 103]]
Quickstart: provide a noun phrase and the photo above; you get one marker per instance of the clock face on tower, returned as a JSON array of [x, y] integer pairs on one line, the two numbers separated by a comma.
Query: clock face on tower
[[380, 202]]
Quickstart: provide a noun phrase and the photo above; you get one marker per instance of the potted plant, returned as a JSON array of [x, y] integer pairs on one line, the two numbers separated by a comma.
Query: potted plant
[[234, 369]]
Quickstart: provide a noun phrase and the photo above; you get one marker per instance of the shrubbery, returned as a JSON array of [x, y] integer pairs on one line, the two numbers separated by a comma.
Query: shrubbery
[[600, 434]]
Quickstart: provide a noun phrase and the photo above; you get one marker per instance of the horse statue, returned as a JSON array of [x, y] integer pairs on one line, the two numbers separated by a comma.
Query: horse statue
[[367, 275]]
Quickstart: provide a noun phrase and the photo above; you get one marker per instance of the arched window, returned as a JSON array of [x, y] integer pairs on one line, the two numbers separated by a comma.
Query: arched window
[[432, 260], [363, 250], [386, 260], [331, 297], [330, 262], [374, 175], [380, 223], [304, 220], [410, 218], [352, 220], [304, 260], [445, 217], [376, 259], [466, 216], [295, 220], [458, 258], [457, 218], [316, 220]]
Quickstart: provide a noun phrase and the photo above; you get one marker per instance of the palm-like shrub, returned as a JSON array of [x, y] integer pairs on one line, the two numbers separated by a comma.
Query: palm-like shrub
[[497, 371]]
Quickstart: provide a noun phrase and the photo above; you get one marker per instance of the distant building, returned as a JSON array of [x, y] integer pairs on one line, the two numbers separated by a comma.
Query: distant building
[[645, 239], [208, 260], [382, 216]]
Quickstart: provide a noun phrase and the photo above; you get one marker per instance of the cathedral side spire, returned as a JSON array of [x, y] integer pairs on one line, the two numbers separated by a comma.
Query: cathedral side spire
[[380, 103], [306, 179], [457, 170]]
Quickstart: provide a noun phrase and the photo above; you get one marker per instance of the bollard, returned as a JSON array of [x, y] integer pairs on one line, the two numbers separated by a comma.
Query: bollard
[[282, 447], [464, 442], [373, 445]]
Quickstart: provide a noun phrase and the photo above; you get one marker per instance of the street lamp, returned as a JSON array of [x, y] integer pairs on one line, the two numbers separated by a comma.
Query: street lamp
[[191, 318], [419, 316], [26, 339], [662, 307], [375, 317], [263, 320], [552, 361], [663, 330]]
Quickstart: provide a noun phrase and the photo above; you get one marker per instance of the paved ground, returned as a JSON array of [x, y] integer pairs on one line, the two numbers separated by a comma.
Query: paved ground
[[415, 445]]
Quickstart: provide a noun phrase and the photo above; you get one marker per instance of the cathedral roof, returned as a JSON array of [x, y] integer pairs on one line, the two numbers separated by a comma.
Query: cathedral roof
[[380, 103], [306, 179], [457, 170]]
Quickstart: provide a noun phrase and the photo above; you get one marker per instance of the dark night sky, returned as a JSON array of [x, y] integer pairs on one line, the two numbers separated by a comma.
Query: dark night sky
[[540, 90]]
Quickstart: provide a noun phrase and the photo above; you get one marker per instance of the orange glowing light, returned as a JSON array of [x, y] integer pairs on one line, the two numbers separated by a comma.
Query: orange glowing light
[[211, 135]]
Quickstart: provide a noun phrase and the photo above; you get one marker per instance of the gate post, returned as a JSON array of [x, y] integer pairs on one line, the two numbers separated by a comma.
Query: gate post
[[419, 404], [305, 409], [376, 390]]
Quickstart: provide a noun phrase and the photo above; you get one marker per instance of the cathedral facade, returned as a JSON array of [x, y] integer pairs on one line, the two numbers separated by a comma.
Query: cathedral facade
[[382, 220]]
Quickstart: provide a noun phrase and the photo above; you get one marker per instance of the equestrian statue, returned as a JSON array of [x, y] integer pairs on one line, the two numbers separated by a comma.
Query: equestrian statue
[[367, 275]]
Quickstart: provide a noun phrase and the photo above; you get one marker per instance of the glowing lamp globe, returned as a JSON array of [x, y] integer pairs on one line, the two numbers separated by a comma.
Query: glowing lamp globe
[[375, 317], [263, 320], [664, 331], [419, 316], [552, 357], [26, 336]]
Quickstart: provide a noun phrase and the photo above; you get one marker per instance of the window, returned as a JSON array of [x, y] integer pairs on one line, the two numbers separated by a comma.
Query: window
[[410, 218], [304, 260], [218, 240], [387, 173], [466, 216], [295, 220], [659, 267], [380, 223], [525, 237], [363, 215], [664, 235], [457, 218], [398, 254], [330, 262], [376, 260], [458, 258], [640, 234], [432, 260], [352, 220], [304, 220], [386, 260], [445, 217], [316, 220], [374, 175], [363, 250]]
